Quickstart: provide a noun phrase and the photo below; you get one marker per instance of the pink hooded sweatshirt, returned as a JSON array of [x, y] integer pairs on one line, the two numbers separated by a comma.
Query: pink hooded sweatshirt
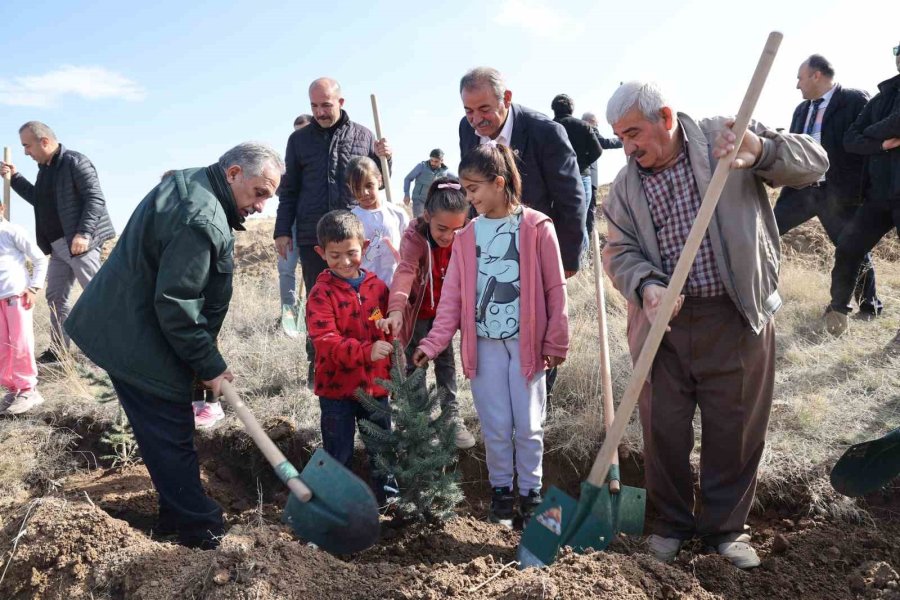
[[543, 311]]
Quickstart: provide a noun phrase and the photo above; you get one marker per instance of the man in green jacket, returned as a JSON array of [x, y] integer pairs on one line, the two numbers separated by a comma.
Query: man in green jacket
[[151, 316]]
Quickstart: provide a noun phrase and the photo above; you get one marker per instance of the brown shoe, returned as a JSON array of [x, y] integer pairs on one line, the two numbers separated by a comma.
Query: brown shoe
[[836, 323]]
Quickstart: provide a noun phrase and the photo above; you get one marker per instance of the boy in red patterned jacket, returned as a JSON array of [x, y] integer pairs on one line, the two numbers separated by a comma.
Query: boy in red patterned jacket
[[351, 352]]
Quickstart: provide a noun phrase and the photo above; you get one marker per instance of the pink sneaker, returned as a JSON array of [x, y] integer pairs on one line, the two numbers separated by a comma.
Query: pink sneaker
[[208, 414]]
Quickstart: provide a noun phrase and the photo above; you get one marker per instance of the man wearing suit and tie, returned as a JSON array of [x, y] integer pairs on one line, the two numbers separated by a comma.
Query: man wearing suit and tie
[[551, 182], [827, 111]]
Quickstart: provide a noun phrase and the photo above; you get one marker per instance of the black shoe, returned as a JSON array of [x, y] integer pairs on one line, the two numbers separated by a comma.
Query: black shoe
[[528, 504], [868, 312], [503, 507], [48, 357]]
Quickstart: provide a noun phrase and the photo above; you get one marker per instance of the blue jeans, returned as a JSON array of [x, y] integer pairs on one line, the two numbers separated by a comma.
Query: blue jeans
[[287, 273], [339, 420]]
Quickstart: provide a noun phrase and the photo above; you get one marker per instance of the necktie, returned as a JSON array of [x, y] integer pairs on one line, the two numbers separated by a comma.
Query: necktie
[[813, 112]]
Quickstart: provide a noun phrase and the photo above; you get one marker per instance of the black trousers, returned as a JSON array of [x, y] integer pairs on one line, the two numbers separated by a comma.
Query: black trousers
[[870, 223], [312, 265], [164, 431], [795, 207]]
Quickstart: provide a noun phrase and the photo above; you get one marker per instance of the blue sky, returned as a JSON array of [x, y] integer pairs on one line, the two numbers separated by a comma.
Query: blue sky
[[145, 88]]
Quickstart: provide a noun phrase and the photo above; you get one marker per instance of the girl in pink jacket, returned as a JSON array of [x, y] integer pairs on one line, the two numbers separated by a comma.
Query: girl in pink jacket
[[506, 291]]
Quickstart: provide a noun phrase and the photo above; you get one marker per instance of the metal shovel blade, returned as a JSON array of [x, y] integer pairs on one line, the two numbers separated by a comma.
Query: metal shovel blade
[[610, 513], [342, 515], [290, 320], [543, 535], [866, 467]]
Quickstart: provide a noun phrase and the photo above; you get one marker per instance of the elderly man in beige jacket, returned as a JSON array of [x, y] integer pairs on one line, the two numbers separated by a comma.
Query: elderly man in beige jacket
[[719, 351]]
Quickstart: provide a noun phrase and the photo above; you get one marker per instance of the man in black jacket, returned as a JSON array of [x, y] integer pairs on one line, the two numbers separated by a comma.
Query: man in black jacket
[[875, 134], [70, 218], [607, 144], [315, 182], [551, 182], [583, 140], [826, 113]]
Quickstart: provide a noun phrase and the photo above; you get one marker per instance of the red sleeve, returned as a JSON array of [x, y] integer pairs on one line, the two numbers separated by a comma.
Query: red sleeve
[[322, 323]]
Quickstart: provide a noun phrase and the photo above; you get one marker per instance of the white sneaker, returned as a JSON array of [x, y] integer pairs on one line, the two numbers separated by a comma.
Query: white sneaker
[[739, 552], [24, 401], [664, 549], [208, 414], [464, 437]]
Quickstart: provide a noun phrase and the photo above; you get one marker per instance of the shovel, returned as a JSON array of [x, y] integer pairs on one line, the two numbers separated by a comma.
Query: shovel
[[328, 506], [866, 467], [562, 517], [290, 320], [612, 507]]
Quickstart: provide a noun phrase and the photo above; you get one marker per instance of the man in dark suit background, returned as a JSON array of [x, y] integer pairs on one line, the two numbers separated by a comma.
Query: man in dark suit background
[[827, 111], [551, 182]]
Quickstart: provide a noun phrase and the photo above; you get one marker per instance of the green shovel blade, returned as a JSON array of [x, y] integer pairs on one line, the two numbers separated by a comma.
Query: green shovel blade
[[542, 537], [609, 514], [290, 320], [342, 515], [591, 522], [866, 467]]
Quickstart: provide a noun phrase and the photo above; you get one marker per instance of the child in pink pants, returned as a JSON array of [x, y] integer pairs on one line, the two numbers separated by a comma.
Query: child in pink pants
[[18, 370]]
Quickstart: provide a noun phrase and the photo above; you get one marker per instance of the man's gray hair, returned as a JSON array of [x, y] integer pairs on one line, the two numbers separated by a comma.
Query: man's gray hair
[[589, 117], [481, 76], [645, 96], [38, 130], [252, 158]]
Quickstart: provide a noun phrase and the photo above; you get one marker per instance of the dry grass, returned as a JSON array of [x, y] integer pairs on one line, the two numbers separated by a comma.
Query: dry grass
[[829, 393]]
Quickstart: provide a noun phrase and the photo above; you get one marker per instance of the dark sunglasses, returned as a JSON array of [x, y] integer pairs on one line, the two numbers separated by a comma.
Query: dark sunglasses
[[896, 50]]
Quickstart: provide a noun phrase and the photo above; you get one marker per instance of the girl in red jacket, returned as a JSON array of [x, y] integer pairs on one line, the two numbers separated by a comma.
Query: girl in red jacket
[[506, 290], [416, 289]]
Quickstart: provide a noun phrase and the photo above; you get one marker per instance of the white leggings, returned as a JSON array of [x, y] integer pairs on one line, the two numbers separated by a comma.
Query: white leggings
[[512, 412]]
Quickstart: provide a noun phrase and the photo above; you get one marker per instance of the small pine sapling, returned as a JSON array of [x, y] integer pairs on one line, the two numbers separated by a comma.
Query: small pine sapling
[[420, 452]]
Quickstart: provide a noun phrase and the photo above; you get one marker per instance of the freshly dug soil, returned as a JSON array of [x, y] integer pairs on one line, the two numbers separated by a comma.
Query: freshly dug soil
[[72, 547]]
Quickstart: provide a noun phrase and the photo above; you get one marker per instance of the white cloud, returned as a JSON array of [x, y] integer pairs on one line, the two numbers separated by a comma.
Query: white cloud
[[92, 83], [537, 18]]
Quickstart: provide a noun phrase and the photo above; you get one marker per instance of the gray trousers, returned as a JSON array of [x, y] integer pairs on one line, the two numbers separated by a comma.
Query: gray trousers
[[512, 411], [63, 271], [444, 365]]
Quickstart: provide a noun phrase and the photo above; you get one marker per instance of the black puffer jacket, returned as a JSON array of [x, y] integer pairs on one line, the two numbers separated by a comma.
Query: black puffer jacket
[[79, 201], [315, 180], [879, 121]]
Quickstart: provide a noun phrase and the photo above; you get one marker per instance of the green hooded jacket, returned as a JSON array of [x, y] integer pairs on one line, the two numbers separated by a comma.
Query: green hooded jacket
[[151, 315]]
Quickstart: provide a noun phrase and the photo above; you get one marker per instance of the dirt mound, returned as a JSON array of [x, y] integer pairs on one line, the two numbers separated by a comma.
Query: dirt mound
[[56, 545], [74, 548]]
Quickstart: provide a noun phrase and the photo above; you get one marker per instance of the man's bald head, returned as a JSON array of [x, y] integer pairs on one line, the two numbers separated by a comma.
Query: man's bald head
[[325, 101]]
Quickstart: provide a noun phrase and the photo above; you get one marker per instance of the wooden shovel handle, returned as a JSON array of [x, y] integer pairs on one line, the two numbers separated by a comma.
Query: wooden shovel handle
[[7, 179], [262, 441], [683, 267], [385, 168], [606, 389]]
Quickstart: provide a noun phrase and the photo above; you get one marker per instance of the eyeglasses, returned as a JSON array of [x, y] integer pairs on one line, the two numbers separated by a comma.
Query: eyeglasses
[[896, 50]]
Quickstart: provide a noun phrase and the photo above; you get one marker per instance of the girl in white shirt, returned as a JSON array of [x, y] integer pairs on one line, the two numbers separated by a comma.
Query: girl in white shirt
[[18, 370], [383, 222]]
